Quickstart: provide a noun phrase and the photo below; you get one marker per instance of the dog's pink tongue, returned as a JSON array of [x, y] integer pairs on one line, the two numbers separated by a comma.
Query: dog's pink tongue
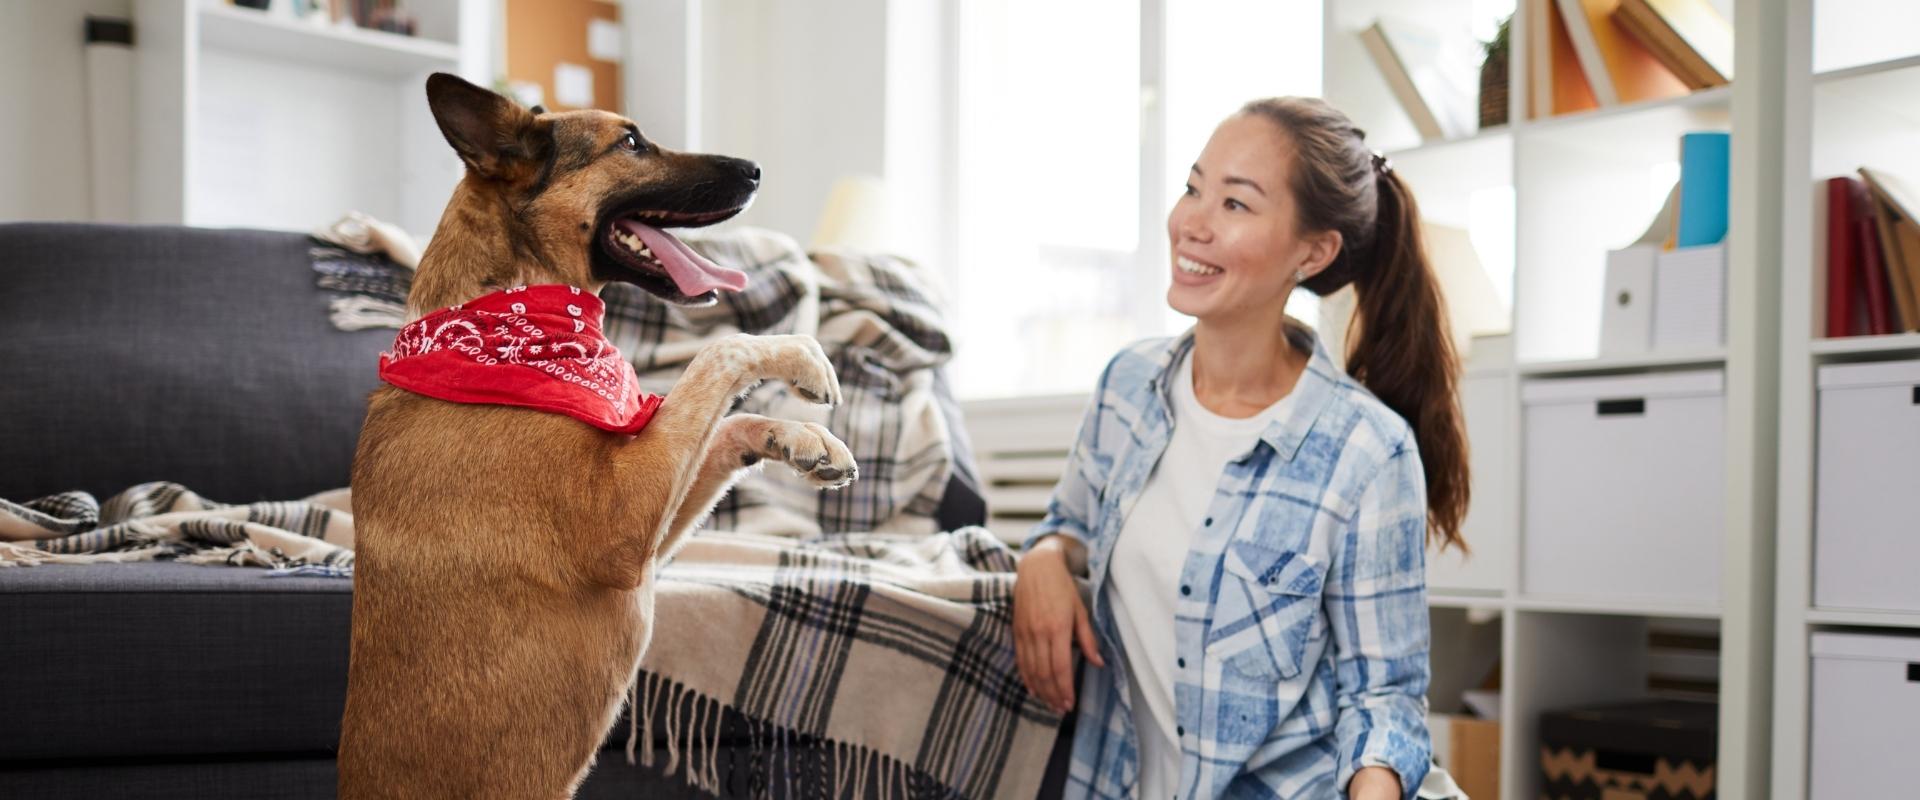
[[691, 272]]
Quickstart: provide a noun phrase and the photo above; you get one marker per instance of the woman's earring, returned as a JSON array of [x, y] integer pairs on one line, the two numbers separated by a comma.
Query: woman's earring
[[1299, 276]]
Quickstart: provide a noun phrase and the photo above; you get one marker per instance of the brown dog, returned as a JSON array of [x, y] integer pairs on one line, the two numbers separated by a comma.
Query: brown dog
[[505, 555]]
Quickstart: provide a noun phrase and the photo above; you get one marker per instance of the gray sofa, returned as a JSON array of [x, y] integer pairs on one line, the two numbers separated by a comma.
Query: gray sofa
[[132, 354]]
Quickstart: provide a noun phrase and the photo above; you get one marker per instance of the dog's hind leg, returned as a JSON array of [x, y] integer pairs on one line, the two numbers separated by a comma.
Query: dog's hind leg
[[743, 442]]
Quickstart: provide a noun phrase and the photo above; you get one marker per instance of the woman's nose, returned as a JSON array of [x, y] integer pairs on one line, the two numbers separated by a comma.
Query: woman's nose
[[1193, 228]]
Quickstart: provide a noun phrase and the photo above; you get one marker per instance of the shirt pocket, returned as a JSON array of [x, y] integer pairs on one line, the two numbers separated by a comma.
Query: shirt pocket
[[1268, 609]]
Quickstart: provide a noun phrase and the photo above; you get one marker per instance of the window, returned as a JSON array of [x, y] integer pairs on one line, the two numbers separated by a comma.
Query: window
[[1075, 122]]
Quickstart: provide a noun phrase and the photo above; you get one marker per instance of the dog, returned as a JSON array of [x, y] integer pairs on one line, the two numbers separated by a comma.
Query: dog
[[506, 555]]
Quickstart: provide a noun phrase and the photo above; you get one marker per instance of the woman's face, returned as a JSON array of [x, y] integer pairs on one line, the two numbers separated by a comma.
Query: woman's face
[[1235, 235]]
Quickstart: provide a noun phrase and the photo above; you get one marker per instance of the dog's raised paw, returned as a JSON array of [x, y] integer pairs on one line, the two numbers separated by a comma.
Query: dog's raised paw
[[813, 452]]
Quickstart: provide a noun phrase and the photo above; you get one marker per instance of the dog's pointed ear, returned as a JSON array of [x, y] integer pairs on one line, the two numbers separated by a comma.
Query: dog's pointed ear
[[491, 133]]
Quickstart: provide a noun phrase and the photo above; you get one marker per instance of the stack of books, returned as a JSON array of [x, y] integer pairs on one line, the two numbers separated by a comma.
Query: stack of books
[[1600, 53], [1872, 255]]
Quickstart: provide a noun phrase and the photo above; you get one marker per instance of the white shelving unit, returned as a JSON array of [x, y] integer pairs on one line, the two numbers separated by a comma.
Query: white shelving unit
[[1852, 99], [1573, 187], [258, 119]]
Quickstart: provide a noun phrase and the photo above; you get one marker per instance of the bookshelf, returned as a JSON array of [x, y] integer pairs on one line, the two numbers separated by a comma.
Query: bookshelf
[[258, 119], [1573, 187], [1852, 79]]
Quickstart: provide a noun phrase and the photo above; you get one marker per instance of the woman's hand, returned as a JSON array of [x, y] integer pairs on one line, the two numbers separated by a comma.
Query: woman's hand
[[1374, 783], [1047, 619]]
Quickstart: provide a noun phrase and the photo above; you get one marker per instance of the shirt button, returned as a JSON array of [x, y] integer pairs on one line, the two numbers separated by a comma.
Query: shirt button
[[1209, 521], [1181, 662], [1182, 731], [1184, 591]]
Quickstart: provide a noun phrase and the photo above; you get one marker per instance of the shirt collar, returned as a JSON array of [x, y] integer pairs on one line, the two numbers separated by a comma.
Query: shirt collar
[[1311, 394]]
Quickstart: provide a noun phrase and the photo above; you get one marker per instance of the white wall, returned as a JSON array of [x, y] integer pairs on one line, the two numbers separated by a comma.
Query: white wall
[[800, 88], [43, 106]]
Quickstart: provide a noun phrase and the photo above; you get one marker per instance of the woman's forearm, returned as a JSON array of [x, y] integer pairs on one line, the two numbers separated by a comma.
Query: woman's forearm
[[1375, 783]]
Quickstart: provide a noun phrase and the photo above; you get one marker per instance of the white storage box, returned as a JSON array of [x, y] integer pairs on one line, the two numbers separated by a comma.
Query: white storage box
[[1866, 711], [1867, 507], [1690, 298], [1623, 488], [1626, 316]]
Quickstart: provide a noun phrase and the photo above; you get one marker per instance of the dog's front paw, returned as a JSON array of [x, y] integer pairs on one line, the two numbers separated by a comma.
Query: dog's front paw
[[811, 450], [803, 364]]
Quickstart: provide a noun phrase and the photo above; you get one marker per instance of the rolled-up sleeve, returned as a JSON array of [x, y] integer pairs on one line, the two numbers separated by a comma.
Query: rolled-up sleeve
[[1377, 606]]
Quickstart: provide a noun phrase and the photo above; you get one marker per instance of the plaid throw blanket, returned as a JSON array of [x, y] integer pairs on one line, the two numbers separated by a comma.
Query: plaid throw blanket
[[877, 318], [166, 521], [849, 662]]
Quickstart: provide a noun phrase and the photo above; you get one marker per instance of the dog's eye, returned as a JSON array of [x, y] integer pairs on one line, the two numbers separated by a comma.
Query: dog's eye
[[630, 142]]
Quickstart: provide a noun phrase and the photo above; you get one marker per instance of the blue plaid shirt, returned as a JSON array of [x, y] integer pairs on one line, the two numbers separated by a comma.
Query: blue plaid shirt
[[1302, 628]]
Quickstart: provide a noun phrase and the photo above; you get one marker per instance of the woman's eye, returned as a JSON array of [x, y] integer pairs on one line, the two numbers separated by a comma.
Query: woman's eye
[[1236, 205], [1192, 192], [631, 142]]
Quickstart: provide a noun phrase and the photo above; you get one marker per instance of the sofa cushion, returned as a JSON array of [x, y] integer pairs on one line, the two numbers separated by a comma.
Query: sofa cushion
[[156, 659], [202, 357]]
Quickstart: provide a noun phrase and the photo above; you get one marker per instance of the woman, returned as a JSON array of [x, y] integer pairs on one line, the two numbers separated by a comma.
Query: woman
[[1254, 521]]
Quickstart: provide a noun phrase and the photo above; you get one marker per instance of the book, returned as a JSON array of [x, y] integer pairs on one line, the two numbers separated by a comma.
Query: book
[[1688, 36], [1873, 273], [1899, 206], [1617, 66], [1842, 266], [1888, 236], [1434, 83], [1704, 161], [1559, 85]]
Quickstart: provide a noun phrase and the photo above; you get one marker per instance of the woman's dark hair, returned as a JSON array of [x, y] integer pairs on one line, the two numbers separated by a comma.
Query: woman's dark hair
[[1399, 344]]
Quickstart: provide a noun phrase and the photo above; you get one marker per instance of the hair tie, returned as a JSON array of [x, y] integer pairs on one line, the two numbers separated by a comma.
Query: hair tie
[[1381, 164]]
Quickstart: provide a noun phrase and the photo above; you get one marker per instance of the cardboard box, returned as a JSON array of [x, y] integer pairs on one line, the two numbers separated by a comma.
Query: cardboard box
[[1474, 756]]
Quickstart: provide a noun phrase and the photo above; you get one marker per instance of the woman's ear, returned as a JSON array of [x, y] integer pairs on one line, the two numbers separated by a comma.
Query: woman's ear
[[1321, 248]]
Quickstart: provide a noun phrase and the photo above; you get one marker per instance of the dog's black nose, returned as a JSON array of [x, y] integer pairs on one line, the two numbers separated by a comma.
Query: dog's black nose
[[747, 169]]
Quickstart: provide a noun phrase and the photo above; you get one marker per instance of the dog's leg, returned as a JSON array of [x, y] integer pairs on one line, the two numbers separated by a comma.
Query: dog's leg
[[745, 440], [657, 469]]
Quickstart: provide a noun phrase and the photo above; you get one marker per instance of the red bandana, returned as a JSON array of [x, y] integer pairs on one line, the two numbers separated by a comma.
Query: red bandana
[[536, 347]]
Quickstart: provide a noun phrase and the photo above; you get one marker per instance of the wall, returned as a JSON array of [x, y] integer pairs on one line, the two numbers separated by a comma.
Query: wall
[[43, 108], [800, 88]]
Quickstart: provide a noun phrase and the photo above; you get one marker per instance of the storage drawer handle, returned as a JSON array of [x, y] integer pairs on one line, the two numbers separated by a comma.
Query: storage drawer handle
[[1916, 395], [1621, 408], [1913, 672]]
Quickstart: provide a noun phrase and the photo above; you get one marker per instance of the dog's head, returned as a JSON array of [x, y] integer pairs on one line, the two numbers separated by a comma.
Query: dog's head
[[585, 197]]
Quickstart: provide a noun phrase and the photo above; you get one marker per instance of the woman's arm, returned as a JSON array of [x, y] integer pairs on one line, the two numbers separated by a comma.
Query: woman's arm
[[1048, 615], [1376, 602]]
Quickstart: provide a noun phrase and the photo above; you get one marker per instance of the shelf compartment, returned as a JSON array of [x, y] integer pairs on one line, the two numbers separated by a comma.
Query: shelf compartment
[[242, 30]]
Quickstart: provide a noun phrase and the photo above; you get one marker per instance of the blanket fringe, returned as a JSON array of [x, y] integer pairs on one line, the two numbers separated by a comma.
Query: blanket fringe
[[773, 759], [356, 312]]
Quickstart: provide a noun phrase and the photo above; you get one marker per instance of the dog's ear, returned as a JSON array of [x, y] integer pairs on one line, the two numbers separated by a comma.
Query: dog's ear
[[491, 133]]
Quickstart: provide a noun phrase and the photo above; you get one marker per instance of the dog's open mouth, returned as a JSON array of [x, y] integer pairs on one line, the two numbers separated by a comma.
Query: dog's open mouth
[[639, 242]]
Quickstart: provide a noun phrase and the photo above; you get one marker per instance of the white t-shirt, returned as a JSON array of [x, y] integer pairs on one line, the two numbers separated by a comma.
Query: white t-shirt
[[1144, 571]]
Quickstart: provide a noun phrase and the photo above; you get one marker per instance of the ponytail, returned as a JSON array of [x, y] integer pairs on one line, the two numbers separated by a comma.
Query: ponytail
[[1400, 346]]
